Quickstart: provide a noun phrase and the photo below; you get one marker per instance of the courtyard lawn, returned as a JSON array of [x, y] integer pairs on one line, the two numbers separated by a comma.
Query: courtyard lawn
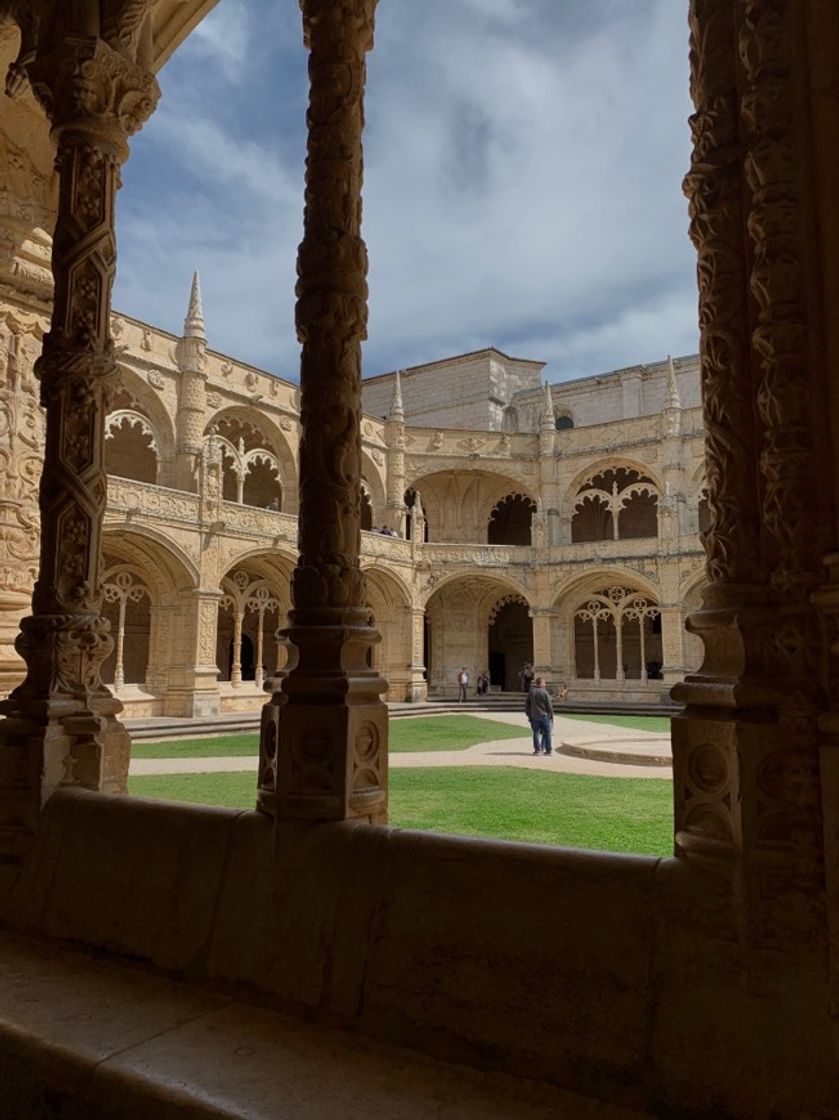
[[637, 723], [434, 733], [506, 803]]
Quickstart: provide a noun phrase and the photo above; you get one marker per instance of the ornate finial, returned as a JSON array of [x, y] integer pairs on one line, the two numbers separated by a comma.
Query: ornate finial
[[548, 410], [672, 400], [396, 410], [194, 322]]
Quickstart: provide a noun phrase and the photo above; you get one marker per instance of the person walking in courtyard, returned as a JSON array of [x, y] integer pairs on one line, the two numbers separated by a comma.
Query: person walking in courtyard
[[462, 684], [540, 712]]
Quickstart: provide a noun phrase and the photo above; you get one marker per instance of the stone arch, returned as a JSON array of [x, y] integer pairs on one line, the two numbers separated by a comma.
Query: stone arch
[[614, 623], [604, 463], [132, 446], [457, 503], [614, 502], [389, 600], [156, 624], [459, 612], [563, 420], [263, 442], [373, 476], [254, 604], [135, 393], [510, 520]]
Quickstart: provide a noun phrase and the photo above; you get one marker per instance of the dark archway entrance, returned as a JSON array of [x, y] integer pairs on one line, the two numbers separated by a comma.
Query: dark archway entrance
[[510, 643]]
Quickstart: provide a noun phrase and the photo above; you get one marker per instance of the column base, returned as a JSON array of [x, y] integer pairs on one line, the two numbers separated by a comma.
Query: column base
[[416, 692], [323, 742]]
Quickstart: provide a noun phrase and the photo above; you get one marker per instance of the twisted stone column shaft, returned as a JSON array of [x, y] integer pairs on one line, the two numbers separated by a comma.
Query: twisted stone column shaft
[[60, 727], [323, 752]]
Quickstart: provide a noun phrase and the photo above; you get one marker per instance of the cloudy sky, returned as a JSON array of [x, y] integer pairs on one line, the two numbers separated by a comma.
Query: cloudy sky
[[522, 187]]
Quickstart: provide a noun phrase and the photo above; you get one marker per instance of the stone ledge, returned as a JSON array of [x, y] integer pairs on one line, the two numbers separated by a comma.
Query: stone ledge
[[82, 1036]]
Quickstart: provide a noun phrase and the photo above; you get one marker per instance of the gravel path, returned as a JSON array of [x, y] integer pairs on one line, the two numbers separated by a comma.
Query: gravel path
[[498, 752]]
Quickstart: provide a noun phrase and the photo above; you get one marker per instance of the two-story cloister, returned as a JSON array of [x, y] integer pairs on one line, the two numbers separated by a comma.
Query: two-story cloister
[[554, 525]]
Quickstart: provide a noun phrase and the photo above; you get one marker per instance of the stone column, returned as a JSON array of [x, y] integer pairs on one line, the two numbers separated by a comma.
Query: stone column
[[323, 750], [418, 686], [60, 725], [193, 678], [672, 646], [543, 618], [746, 762]]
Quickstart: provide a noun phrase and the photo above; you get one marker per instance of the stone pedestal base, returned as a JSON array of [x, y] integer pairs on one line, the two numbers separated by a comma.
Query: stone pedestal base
[[38, 755], [417, 692], [323, 745]]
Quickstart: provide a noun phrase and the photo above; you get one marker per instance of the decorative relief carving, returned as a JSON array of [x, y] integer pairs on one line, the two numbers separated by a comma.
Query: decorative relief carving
[[156, 379], [154, 501], [714, 190]]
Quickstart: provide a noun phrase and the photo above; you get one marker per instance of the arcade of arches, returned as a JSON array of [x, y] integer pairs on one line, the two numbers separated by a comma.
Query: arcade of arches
[[481, 563]]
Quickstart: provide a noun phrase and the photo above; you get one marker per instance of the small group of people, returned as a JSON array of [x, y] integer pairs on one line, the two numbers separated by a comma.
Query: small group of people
[[481, 684], [386, 532]]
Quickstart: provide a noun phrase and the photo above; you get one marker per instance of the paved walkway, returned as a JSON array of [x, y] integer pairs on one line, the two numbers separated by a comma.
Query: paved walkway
[[498, 752]]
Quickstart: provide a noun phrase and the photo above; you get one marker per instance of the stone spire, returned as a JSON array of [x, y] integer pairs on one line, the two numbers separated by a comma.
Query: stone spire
[[547, 424], [397, 412], [194, 321], [672, 400]]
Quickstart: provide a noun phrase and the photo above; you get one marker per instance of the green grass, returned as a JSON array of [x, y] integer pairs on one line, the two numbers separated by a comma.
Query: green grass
[[450, 733], [578, 811], [637, 723], [435, 733]]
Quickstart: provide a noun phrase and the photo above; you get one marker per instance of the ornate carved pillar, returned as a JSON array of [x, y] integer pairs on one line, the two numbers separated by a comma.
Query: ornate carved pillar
[[60, 725], [193, 677], [21, 444], [323, 751], [745, 750]]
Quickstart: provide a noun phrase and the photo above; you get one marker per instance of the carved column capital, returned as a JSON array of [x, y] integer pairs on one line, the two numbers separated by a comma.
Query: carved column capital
[[348, 22], [84, 85]]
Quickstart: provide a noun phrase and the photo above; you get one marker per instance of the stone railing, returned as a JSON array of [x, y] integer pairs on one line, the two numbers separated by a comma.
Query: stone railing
[[605, 550], [252, 520], [483, 555], [388, 548], [151, 501]]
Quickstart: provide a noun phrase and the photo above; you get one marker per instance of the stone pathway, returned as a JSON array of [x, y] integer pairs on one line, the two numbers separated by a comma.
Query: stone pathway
[[591, 743]]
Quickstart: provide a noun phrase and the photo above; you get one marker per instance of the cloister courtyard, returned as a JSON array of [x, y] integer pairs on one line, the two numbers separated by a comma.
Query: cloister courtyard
[[473, 775]]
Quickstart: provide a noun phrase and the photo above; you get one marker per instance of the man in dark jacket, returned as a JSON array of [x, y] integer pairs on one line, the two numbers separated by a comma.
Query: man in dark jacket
[[540, 712]]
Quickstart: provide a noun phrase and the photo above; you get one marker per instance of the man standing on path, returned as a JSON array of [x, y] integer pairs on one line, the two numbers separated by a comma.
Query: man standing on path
[[462, 683], [540, 712]]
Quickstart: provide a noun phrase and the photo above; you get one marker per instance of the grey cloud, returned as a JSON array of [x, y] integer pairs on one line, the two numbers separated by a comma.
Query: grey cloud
[[523, 167]]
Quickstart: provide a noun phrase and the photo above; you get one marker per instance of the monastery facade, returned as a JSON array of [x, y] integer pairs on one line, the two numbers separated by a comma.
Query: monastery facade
[[556, 525]]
